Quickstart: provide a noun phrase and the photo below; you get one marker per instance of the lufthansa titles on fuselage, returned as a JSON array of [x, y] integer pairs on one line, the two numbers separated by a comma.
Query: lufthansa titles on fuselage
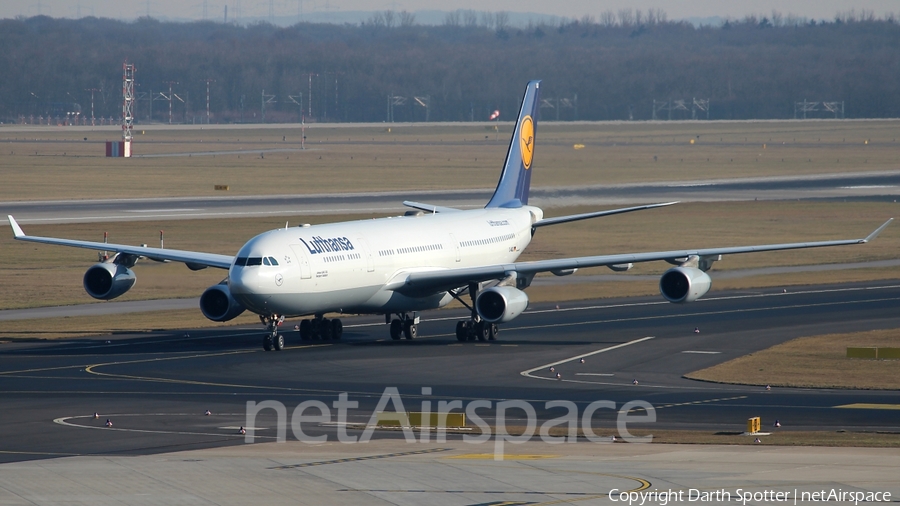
[[318, 244]]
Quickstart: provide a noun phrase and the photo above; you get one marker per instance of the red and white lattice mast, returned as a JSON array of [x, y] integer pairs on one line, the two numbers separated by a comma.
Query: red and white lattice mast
[[127, 106]]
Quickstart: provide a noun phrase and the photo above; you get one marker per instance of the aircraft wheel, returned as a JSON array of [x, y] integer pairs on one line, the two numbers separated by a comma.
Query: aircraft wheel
[[267, 343], [279, 342], [482, 329], [325, 329], [337, 329], [305, 330], [493, 330], [462, 332], [396, 329], [410, 330]]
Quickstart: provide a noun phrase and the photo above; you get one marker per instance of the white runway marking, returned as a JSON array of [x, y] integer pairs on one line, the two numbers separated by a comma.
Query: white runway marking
[[594, 374], [702, 352], [528, 374]]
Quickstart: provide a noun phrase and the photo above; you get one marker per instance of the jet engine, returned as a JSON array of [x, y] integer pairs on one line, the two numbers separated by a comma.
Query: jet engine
[[107, 281], [218, 305], [684, 284], [500, 304]]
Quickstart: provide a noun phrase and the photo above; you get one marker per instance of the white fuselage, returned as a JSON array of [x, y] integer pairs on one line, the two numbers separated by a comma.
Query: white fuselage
[[344, 267]]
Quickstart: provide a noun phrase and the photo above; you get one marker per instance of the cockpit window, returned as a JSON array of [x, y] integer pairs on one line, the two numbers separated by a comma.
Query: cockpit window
[[254, 261], [241, 261], [273, 261], [266, 261]]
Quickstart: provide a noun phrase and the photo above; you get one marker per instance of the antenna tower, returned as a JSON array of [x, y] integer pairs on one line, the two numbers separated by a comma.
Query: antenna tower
[[127, 106]]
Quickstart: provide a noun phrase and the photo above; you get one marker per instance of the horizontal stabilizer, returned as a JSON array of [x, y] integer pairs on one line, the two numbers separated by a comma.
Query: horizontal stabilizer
[[577, 217], [428, 207]]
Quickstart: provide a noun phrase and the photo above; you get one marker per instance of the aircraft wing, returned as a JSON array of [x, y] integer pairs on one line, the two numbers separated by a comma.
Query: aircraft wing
[[416, 283], [192, 258], [597, 214]]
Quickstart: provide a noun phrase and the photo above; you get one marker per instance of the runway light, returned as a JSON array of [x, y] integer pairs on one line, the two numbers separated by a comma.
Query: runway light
[[634, 382], [757, 440], [552, 369], [208, 412], [96, 415], [696, 330], [582, 361], [776, 424], [243, 430], [558, 376], [768, 387], [186, 335], [108, 422]]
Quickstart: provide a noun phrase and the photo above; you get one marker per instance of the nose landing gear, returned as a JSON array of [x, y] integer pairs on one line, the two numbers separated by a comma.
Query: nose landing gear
[[272, 339]]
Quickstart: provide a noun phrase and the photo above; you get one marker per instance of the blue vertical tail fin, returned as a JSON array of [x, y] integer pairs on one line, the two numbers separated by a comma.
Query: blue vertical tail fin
[[512, 190]]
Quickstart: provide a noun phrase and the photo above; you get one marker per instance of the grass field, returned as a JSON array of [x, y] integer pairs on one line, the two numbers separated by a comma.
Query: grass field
[[813, 362], [421, 157]]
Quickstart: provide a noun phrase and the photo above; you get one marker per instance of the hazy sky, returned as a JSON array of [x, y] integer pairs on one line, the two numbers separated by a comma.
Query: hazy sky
[[816, 9]]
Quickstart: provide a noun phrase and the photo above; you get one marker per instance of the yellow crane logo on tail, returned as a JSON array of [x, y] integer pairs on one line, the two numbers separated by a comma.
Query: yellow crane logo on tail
[[526, 141]]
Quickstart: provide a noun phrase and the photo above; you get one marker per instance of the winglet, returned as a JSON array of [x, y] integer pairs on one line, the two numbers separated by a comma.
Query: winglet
[[877, 231], [17, 230]]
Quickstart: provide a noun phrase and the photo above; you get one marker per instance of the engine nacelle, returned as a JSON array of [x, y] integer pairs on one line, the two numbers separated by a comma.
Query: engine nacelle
[[218, 305], [684, 284], [500, 304], [107, 281]]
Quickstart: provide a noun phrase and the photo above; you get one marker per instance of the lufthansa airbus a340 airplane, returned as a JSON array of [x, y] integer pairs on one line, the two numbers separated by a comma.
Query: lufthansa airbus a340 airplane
[[402, 265]]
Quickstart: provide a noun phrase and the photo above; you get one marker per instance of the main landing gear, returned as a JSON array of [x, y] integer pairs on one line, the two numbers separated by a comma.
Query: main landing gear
[[475, 327], [321, 328], [314, 329], [403, 326]]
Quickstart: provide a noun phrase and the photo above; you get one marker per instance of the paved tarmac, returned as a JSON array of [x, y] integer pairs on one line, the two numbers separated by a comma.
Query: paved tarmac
[[876, 186], [155, 386], [162, 449]]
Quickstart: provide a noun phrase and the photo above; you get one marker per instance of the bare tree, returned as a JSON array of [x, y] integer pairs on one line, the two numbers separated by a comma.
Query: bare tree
[[470, 18], [390, 17], [626, 17], [501, 20], [407, 19], [452, 18], [608, 18]]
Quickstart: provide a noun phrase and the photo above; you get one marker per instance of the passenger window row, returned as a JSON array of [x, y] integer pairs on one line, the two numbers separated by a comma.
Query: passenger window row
[[492, 240]]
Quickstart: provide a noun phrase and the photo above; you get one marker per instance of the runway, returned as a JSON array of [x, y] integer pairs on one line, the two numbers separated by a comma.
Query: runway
[[156, 386], [875, 186]]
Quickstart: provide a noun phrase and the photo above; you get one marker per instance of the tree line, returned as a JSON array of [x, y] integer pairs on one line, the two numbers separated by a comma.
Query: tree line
[[391, 68]]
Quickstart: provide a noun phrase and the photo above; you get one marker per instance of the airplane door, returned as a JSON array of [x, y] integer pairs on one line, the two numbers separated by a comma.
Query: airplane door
[[367, 251], [455, 245], [303, 260]]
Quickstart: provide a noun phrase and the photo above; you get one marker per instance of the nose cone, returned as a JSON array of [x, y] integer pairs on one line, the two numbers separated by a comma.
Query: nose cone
[[243, 280], [244, 285]]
